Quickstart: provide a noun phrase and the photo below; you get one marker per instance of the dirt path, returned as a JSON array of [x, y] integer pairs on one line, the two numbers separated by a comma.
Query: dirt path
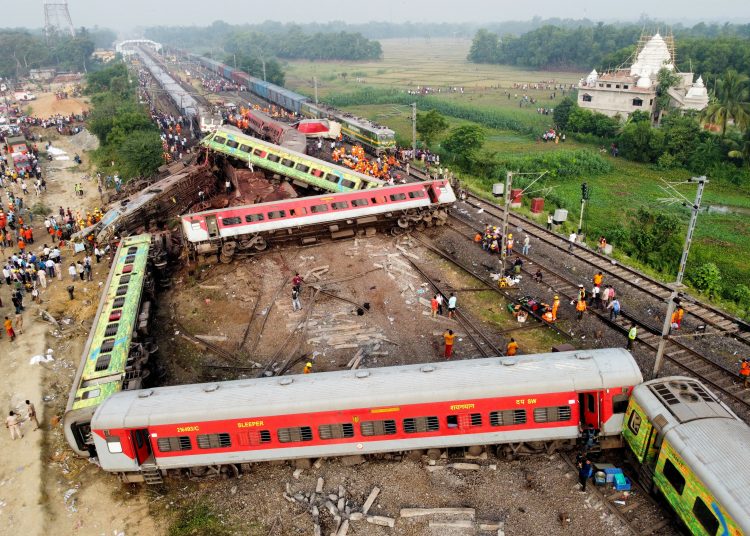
[[39, 471]]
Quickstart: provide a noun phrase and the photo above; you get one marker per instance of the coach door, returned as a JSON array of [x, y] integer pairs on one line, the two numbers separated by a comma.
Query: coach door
[[590, 409], [212, 227], [141, 445]]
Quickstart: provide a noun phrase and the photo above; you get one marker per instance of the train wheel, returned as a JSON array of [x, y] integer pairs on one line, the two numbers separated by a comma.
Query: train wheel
[[434, 454], [476, 450], [415, 455], [260, 244], [403, 222], [227, 252], [397, 231]]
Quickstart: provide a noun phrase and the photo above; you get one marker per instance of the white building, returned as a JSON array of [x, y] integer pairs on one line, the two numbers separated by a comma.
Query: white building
[[623, 91]]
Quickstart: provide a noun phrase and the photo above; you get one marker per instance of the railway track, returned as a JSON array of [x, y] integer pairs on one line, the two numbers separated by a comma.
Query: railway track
[[637, 509], [720, 378], [722, 322]]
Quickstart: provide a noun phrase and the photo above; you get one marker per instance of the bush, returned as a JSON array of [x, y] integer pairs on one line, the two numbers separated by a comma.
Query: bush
[[707, 278], [666, 162], [741, 295]]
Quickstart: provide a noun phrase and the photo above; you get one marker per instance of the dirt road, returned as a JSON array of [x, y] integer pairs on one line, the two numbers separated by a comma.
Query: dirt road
[[43, 490]]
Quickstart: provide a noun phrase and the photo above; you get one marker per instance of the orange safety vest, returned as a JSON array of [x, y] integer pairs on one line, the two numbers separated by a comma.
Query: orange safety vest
[[598, 279], [745, 368], [512, 348], [581, 305], [547, 316]]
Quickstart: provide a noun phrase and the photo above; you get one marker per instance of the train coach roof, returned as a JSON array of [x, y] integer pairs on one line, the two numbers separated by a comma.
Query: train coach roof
[[371, 388], [717, 450]]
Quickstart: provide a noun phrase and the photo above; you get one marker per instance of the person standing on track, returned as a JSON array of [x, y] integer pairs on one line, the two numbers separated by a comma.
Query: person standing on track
[[572, 241], [449, 337], [439, 298], [585, 470], [745, 372], [632, 334], [452, 302], [296, 305], [555, 307], [598, 278], [549, 221], [434, 306], [614, 309], [509, 251], [526, 245], [581, 308]]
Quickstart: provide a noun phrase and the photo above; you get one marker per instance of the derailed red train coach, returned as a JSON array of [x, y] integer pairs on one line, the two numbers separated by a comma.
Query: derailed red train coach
[[522, 404], [253, 227]]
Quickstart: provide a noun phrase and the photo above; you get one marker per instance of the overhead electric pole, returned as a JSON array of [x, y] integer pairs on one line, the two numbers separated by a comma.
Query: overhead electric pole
[[695, 207], [506, 214], [414, 130]]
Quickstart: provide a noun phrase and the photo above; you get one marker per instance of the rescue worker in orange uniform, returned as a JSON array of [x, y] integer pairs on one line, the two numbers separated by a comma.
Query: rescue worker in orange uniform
[[308, 368], [511, 348], [555, 307], [598, 278], [581, 308], [745, 371]]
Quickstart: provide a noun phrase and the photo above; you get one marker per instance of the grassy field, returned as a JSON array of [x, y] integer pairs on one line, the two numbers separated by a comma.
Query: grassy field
[[721, 237]]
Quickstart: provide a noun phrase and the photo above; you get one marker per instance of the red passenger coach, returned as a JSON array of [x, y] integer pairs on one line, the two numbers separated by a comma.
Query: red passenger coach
[[252, 227], [524, 404]]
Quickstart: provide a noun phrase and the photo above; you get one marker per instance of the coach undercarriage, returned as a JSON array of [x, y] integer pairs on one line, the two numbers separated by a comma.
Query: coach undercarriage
[[396, 223], [508, 451]]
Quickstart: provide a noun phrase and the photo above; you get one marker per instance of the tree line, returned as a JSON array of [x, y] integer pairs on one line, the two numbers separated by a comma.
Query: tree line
[[290, 41], [24, 50], [708, 50], [129, 141]]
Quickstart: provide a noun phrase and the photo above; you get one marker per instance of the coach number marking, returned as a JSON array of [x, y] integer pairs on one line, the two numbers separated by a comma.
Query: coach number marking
[[249, 424], [188, 429]]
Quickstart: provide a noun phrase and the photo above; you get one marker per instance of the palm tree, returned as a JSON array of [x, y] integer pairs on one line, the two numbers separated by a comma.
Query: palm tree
[[729, 100]]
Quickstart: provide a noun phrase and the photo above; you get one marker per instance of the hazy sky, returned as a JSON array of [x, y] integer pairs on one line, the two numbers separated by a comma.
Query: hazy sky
[[122, 15]]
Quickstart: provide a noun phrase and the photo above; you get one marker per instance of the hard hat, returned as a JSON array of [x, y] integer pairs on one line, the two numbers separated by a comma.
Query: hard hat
[[308, 364], [580, 286], [556, 297], [510, 235]]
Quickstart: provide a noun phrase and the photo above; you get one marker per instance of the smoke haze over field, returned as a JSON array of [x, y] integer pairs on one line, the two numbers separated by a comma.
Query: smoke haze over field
[[123, 15]]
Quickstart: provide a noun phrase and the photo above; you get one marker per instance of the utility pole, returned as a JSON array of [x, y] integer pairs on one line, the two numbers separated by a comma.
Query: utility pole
[[264, 68], [315, 82], [667, 326], [506, 214], [414, 130]]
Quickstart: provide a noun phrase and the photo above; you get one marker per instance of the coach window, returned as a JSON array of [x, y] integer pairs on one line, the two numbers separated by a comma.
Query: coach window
[[295, 435], [316, 172], [674, 477], [619, 403], [254, 437], [330, 177], [233, 144], [302, 167], [416, 195], [634, 423], [508, 417], [102, 362], [348, 184], [286, 162], [113, 445], [173, 444], [317, 209], [301, 211], [276, 214], [219, 139], [705, 516], [234, 220], [339, 205], [359, 202], [214, 441], [245, 148], [260, 152], [552, 414], [398, 197], [253, 217], [376, 428], [464, 421], [273, 158], [421, 424], [336, 431]]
